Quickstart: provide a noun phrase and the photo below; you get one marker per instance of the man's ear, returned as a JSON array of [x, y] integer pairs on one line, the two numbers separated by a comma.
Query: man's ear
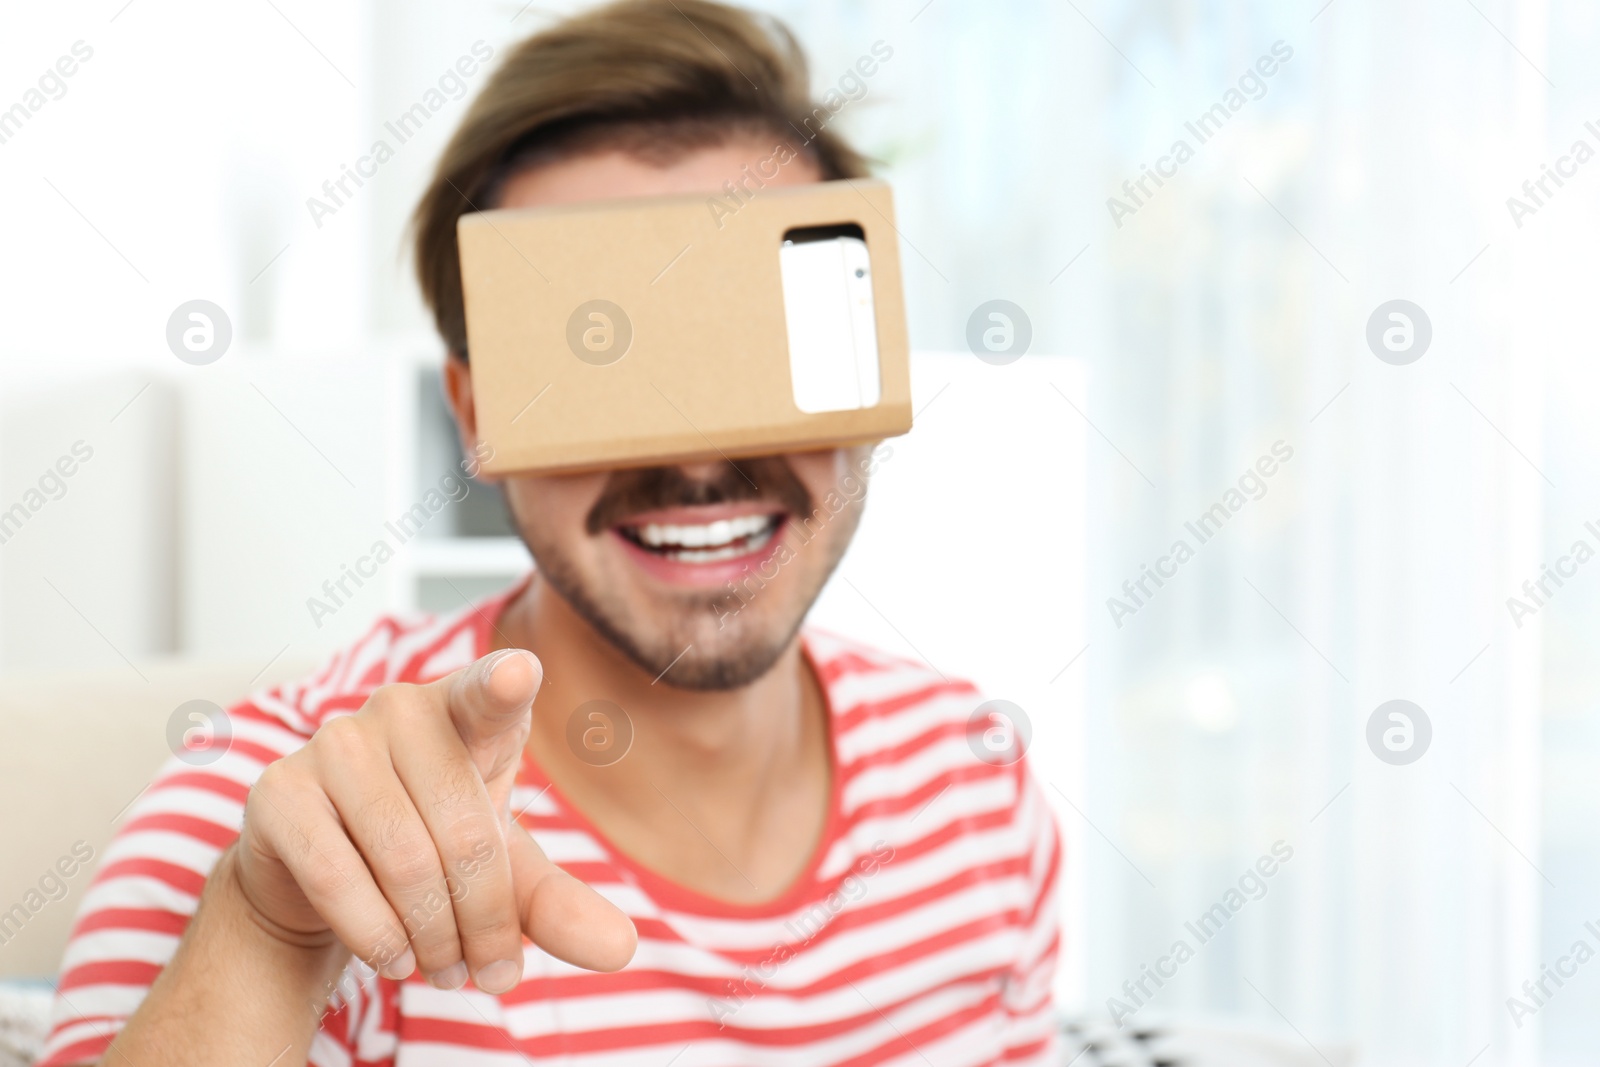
[[457, 375]]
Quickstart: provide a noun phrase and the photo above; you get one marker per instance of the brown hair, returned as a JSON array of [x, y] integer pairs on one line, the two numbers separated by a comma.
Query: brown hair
[[653, 78]]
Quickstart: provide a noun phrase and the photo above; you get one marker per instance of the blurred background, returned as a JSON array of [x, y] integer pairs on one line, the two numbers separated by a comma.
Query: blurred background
[[1191, 312]]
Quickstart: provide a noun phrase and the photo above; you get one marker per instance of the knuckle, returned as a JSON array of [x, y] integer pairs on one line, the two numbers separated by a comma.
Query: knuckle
[[412, 869], [268, 794], [397, 700], [400, 851], [474, 845], [386, 824], [489, 927], [318, 877], [271, 779], [483, 895], [344, 739], [383, 945], [478, 857], [283, 776], [421, 919], [457, 789]]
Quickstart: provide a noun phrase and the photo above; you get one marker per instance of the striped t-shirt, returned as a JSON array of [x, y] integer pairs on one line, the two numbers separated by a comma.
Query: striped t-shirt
[[922, 932]]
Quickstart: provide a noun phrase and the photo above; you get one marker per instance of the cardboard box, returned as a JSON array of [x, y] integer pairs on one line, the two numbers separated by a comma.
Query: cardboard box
[[653, 330]]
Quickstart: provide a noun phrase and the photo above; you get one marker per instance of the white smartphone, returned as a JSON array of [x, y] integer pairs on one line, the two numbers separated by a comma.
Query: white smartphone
[[832, 326]]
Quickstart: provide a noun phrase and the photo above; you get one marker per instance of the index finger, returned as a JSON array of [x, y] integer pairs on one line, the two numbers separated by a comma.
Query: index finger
[[490, 702]]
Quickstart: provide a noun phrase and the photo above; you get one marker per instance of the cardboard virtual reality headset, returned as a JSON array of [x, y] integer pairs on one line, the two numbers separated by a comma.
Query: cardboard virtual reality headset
[[673, 329]]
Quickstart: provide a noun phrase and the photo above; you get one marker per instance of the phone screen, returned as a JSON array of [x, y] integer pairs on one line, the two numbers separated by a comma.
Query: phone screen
[[828, 310]]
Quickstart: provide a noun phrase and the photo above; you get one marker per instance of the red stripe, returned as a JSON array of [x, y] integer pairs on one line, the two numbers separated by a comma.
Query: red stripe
[[611, 1038], [901, 803], [182, 879], [870, 915], [965, 827], [877, 808], [251, 712], [846, 664], [412, 669], [904, 1042], [340, 702], [206, 782], [109, 972], [1052, 869], [374, 676], [89, 1050], [607, 873], [335, 669], [883, 960], [100, 1021], [1046, 959], [877, 659], [1029, 1051], [853, 716], [186, 825], [255, 750], [904, 750], [143, 920], [477, 619]]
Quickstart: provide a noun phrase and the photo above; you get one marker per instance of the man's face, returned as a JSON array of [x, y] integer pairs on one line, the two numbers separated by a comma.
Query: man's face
[[708, 568]]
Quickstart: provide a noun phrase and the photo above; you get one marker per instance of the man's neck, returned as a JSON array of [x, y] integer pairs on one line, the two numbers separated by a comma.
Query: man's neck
[[744, 771]]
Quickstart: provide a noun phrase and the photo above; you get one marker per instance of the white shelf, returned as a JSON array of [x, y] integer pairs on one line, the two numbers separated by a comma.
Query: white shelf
[[469, 556]]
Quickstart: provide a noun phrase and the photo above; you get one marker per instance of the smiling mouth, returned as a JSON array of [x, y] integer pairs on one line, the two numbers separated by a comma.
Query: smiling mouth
[[710, 542]]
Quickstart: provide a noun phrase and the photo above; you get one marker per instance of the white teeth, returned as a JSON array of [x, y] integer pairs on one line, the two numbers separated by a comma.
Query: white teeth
[[712, 535], [712, 555]]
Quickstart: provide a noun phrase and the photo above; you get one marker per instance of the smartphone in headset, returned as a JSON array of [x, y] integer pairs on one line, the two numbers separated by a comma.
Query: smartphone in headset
[[828, 312]]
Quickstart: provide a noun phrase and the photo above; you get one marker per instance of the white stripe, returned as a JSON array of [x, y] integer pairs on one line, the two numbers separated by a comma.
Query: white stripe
[[895, 780], [119, 946], [137, 891], [568, 846], [879, 732], [457, 653]]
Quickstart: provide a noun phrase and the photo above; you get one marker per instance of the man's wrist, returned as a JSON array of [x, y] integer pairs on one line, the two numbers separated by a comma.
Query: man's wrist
[[312, 961], [236, 990]]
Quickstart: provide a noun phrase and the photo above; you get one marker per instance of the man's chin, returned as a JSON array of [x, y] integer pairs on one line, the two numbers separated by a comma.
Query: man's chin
[[688, 642], [713, 674], [711, 654]]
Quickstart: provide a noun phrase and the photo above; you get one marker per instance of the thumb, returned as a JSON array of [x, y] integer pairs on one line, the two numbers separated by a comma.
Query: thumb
[[490, 705], [564, 916]]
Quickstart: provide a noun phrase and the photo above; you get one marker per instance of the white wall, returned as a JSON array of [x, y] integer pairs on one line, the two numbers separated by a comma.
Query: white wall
[[90, 576], [971, 557]]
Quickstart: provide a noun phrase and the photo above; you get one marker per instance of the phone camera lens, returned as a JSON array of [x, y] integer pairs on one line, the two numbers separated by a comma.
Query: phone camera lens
[[860, 273]]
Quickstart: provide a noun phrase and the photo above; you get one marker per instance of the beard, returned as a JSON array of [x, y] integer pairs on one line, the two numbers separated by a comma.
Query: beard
[[708, 641]]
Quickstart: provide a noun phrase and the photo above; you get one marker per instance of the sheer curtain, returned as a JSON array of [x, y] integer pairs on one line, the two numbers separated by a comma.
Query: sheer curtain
[[1227, 314]]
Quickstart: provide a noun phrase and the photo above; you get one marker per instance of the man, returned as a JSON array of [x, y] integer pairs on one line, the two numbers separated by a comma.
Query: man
[[796, 857]]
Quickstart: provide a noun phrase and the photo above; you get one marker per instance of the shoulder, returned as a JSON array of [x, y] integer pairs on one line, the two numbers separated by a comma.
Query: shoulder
[[883, 704], [865, 684], [224, 751], [926, 770], [900, 725], [397, 648], [906, 733]]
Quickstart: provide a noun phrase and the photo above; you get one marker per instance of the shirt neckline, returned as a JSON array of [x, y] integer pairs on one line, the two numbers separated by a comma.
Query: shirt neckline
[[658, 886]]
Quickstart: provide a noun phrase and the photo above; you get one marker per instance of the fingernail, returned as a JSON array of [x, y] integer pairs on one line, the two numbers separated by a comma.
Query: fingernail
[[452, 977], [401, 966], [503, 656], [499, 976]]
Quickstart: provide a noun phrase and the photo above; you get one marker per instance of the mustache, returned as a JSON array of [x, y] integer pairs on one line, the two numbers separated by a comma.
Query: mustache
[[630, 492]]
